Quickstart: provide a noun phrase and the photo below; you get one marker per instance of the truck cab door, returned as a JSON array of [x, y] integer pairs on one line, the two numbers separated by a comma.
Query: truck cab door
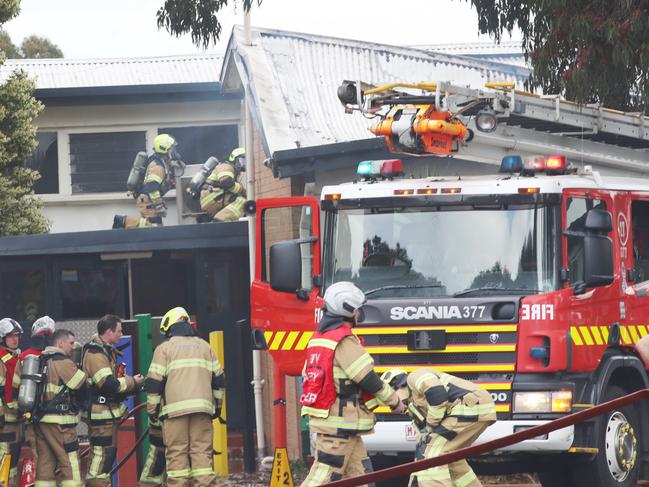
[[286, 317], [592, 308]]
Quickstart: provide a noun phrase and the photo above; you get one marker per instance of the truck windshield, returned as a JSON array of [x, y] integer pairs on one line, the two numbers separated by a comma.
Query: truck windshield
[[451, 251]]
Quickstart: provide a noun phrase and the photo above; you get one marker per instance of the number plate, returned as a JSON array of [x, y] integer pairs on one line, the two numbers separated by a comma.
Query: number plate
[[411, 433], [426, 339]]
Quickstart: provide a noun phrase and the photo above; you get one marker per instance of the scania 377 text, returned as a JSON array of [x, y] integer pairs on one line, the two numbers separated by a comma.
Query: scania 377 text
[[532, 282]]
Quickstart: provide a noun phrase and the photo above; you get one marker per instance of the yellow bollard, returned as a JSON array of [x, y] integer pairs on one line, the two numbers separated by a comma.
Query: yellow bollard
[[4, 469], [220, 430]]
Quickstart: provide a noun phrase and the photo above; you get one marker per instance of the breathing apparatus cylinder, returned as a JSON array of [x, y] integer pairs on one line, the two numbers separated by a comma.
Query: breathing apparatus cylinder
[[136, 176], [29, 380], [194, 187]]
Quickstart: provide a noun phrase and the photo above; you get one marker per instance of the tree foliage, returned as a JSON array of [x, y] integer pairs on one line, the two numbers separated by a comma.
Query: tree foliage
[[197, 17], [593, 51], [39, 47], [20, 213], [7, 46]]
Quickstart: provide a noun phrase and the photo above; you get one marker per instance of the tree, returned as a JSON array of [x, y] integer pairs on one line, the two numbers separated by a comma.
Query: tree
[[198, 17], [592, 51], [39, 47], [7, 46], [20, 213]]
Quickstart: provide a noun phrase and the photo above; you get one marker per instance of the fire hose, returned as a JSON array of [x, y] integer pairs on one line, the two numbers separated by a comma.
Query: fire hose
[[474, 450]]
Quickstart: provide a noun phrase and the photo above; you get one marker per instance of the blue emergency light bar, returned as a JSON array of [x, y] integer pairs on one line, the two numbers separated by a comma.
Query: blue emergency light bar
[[511, 164]]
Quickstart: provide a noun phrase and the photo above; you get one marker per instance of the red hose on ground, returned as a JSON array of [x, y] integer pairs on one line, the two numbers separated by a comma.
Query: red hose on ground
[[471, 451]]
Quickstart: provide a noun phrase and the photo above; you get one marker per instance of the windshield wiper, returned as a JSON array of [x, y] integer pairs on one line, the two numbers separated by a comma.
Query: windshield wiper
[[501, 289], [401, 286]]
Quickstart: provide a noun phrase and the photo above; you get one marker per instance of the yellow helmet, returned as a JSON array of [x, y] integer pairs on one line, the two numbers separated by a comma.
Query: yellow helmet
[[173, 316], [163, 143], [238, 152]]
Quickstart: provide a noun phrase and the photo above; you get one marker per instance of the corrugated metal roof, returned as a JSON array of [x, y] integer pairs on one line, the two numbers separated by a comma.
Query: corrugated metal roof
[[293, 79], [86, 73], [508, 52]]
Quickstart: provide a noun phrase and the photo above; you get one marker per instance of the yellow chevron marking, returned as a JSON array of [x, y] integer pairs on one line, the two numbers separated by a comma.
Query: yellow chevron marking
[[402, 330], [626, 339], [595, 332], [453, 368], [304, 340], [279, 336], [495, 386], [642, 329], [586, 335], [449, 349], [604, 331], [634, 333], [288, 343], [267, 336], [574, 334]]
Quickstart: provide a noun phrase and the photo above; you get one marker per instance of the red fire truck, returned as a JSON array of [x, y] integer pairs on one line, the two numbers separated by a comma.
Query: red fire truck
[[532, 282]]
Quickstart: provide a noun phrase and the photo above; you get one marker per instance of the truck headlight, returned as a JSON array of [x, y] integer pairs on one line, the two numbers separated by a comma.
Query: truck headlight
[[542, 402]]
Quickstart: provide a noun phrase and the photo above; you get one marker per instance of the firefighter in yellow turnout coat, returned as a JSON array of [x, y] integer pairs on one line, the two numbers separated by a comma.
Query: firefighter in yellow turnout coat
[[450, 413], [158, 180], [107, 389], [222, 195], [339, 388], [185, 387], [57, 415]]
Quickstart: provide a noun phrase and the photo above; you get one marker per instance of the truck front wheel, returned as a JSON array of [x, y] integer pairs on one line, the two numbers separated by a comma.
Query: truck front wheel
[[617, 462]]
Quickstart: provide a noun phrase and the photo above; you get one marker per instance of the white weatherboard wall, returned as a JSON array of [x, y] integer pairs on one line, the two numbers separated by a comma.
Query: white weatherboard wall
[[81, 212]]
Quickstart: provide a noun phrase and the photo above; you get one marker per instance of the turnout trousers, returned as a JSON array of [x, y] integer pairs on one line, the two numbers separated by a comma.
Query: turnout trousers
[[150, 217], [103, 452], [154, 464], [10, 441], [337, 458], [451, 434], [189, 447], [57, 447]]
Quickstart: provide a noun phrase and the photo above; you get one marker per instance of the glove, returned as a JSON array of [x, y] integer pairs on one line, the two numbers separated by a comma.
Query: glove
[[399, 408], [154, 422], [226, 183]]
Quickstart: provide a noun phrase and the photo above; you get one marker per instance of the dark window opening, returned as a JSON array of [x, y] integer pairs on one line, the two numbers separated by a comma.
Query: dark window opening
[[101, 162], [160, 284], [197, 144], [45, 160], [89, 293], [640, 234], [577, 208], [22, 294]]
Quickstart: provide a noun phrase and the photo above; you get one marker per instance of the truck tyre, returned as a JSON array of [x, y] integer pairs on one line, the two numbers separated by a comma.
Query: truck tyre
[[617, 463]]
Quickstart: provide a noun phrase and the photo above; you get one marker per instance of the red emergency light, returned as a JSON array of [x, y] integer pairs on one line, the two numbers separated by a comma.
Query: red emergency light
[[549, 164]]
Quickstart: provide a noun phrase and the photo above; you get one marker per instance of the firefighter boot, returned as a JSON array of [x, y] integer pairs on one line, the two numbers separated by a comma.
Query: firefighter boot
[[119, 221]]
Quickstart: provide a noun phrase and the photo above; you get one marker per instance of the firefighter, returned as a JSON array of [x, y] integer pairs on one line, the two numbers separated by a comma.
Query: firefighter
[[57, 414], [108, 387], [159, 178], [222, 195], [154, 464], [339, 388], [185, 386], [42, 331], [10, 437], [449, 413]]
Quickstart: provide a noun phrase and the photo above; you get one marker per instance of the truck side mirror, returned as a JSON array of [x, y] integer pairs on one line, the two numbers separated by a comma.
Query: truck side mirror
[[598, 249], [285, 266]]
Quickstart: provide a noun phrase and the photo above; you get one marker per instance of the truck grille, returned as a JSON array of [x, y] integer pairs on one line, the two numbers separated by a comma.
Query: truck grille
[[484, 354]]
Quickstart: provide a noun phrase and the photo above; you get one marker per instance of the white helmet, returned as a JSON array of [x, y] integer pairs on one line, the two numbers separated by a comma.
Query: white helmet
[[343, 298], [9, 326], [43, 325]]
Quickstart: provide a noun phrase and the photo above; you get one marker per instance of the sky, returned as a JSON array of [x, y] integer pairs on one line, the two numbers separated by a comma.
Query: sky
[[127, 28]]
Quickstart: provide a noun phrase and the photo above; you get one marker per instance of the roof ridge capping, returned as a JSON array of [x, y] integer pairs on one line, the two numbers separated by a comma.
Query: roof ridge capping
[[376, 46], [113, 60]]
